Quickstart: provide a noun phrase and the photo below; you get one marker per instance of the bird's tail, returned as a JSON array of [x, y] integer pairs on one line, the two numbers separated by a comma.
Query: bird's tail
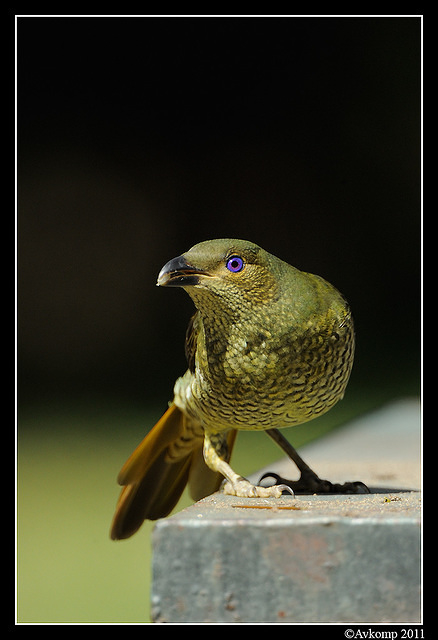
[[156, 473]]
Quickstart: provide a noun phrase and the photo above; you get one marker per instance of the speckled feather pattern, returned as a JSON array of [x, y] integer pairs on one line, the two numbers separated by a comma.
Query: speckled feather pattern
[[268, 347], [268, 361]]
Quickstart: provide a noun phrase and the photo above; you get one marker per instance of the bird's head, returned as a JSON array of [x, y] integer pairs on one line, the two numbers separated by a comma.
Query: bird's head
[[235, 271]]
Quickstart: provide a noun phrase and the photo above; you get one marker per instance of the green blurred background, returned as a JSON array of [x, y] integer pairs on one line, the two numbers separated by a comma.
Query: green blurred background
[[137, 138]]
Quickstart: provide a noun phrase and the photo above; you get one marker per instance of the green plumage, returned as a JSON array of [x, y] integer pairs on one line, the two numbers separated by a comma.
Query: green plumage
[[268, 347], [272, 346]]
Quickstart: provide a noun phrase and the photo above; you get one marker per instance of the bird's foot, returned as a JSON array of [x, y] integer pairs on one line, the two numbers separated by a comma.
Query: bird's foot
[[244, 489], [310, 483]]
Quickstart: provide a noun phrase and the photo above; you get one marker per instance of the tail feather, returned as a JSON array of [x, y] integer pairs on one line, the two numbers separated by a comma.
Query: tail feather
[[153, 497], [156, 473], [168, 429]]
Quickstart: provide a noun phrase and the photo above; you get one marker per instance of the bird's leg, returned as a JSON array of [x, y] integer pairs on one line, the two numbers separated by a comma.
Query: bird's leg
[[308, 482], [215, 456]]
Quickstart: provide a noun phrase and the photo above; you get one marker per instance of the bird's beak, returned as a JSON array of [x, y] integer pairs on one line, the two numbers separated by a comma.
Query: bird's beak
[[178, 273]]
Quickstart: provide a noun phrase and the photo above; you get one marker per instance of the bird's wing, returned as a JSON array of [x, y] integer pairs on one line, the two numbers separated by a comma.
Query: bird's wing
[[154, 476], [202, 480]]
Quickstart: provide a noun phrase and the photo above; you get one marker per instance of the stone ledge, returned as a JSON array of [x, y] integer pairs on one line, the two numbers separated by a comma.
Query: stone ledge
[[326, 559], [349, 558]]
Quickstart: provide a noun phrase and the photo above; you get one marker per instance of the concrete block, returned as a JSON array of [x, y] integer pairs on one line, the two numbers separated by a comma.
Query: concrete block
[[318, 559], [349, 558]]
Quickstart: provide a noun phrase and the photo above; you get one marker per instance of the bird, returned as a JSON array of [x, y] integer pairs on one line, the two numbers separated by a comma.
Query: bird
[[268, 347]]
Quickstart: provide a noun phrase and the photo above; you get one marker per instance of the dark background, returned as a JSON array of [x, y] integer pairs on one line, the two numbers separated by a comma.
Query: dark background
[[139, 137]]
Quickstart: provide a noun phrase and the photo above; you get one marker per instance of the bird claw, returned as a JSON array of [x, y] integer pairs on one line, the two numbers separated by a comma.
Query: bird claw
[[285, 488], [244, 489], [310, 483]]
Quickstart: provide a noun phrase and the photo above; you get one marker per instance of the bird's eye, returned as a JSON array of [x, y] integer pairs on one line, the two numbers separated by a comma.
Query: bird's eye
[[235, 264]]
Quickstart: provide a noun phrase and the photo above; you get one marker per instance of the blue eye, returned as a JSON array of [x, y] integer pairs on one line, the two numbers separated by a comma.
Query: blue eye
[[235, 264]]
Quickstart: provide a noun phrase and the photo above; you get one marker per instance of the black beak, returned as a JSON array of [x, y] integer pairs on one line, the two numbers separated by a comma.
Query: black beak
[[178, 273]]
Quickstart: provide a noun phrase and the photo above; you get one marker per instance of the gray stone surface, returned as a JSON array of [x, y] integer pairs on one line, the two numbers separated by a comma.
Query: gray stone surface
[[381, 448], [350, 558]]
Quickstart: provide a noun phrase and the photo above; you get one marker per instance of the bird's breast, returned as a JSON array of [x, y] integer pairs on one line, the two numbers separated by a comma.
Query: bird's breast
[[259, 380]]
